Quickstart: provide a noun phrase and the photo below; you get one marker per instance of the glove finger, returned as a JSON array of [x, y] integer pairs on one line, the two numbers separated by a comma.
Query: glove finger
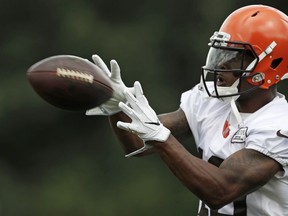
[[139, 93], [115, 71], [127, 110], [128, 127], [131, 90], [123, 125], [101, 64], [130, 98], [133, 102], [138, 88]]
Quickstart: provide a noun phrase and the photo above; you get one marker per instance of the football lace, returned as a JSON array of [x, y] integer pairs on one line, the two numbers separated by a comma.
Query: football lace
[[66, 73]]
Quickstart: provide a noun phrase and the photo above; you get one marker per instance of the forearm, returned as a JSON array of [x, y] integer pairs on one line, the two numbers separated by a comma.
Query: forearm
[[129, 141], [200, 177], [177, 123], [243, 172]]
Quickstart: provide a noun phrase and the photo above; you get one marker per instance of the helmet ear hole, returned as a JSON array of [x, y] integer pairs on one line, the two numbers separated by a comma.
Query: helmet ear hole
[[276, 62]]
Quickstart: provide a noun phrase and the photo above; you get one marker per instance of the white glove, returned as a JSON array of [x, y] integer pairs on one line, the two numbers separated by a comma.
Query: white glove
[[111, 106], [145, 122]]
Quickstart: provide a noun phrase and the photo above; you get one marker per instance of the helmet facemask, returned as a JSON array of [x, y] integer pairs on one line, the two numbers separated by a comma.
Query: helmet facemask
[[225, 56]]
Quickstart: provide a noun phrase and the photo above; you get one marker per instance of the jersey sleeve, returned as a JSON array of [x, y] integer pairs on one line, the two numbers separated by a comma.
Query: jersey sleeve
[[187, 101], [195, 103], [266, 141]]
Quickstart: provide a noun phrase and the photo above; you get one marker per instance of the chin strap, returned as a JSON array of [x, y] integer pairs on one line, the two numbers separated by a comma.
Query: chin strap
[[233, 89], [266, 52], [236, 112]]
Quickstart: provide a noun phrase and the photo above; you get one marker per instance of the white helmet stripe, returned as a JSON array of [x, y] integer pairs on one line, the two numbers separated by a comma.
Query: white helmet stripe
[[266, 52]]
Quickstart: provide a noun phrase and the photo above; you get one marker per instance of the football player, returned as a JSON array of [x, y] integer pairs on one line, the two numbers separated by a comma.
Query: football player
[[236, 115]]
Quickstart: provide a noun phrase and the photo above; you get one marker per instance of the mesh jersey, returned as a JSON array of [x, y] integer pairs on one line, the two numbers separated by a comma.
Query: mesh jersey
[[217, 135]]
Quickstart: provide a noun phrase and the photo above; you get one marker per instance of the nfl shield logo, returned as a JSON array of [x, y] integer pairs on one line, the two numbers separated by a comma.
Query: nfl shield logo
[[240, 135]]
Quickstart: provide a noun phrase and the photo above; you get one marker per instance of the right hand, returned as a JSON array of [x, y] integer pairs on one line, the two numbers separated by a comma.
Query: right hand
[[111, 107], [145, 122]]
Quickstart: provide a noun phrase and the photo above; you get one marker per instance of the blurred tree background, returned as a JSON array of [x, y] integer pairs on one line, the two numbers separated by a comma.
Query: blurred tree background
[[55, 162]]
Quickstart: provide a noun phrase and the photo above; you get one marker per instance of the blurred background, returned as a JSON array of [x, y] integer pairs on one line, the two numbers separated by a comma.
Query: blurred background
[[55, 162]]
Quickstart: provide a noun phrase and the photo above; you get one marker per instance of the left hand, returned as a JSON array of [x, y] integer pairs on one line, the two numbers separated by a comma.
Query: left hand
[[110, 107], [145, 122]]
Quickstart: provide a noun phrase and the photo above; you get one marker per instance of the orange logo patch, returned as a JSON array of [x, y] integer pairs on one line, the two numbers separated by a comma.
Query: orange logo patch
[[226, 129]]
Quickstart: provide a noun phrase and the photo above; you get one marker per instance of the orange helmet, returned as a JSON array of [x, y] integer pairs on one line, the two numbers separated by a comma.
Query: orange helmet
[[261, 30], [260, 26]]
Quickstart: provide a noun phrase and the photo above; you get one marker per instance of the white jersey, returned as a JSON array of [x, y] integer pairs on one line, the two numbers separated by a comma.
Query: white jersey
[[218, 135]]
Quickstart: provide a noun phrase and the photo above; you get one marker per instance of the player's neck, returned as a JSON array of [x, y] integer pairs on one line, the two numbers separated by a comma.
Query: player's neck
[[255, 100]]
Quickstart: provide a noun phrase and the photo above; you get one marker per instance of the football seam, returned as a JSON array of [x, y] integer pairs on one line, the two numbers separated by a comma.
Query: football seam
[[66, 73], [103, 84]]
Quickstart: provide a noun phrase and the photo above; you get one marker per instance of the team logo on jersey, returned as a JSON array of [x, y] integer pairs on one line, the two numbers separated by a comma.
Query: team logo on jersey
[[282, 133], [226, 129], [240, 135]]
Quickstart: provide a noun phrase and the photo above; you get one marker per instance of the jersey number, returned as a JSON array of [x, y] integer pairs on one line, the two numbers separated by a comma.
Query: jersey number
[[240, 207]]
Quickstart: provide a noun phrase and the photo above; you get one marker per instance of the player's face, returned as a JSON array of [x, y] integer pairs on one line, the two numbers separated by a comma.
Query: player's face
[[227, 78], [225, 67]]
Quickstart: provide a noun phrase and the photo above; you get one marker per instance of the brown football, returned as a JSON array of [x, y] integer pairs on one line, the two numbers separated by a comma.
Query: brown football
[[70, 82]]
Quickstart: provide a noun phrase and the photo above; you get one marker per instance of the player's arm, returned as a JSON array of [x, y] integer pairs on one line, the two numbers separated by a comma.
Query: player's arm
[[175, 121], [243, 172], [240, 174]]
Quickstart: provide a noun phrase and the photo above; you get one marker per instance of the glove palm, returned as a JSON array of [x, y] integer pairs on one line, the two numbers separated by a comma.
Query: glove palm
[[111, 106], [145, 122]]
